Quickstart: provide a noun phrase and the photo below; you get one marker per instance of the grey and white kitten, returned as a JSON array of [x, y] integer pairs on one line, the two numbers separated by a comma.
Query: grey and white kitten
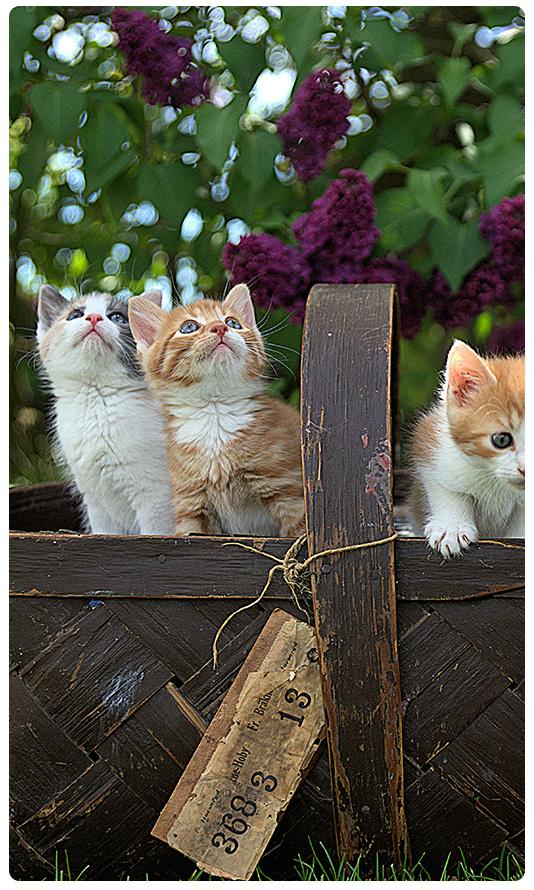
[[109, 431]]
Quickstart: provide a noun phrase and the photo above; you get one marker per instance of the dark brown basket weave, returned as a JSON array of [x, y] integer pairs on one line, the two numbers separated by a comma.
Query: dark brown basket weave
[[112, 686]]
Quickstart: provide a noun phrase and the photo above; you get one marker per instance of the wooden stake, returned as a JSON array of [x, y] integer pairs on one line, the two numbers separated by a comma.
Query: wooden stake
[[347, 457]]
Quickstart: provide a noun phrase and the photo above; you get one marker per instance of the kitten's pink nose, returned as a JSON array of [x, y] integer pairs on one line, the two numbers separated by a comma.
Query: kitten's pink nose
[[219, 329], [94, 318]]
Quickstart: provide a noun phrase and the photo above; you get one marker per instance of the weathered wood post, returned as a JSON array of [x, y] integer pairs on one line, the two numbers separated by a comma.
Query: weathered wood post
[[347, 455]]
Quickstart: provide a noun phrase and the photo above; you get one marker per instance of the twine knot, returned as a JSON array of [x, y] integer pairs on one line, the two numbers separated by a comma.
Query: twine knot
[[295, 573]]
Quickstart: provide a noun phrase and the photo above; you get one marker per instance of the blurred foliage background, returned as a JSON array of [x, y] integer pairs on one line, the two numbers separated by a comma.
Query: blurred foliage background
[[112, 192]]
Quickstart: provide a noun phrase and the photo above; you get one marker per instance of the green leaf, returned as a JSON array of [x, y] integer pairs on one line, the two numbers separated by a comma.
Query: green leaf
[[119, 194], [58, 107], [379, 162], [502, 165], [245, 60], [106, 129], [217, 128], [461, 33], [388, 48], [302, 27], [493, 16], [453, 75], [257, 151], [22, 22], [509, 74], [457, 248], [105, 132], [31, 164], [268, 206], [170, 187], [506, 116], [437, 156], [113, 168], [401, 221], [426, 188], [405, 130]]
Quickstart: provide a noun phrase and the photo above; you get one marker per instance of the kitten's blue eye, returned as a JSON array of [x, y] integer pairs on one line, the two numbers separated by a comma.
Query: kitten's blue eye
[[76, 313], [189, 327], [233, 323], [117, 317], [502, 440]]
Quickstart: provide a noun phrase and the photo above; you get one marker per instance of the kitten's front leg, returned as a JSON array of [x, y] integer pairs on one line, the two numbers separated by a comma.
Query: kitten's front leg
[[156, 520], [450, 527], [516, 527], [289, 511], [189, 507], [100, 521], [191, 525]]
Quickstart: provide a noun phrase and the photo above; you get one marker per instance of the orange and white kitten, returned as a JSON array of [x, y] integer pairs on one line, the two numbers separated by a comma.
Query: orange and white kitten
[[234, 451], [468, 453]]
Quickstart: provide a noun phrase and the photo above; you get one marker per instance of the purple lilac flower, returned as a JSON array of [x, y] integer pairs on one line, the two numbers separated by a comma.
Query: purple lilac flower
[[316, 120], [439, 291], [482, 288], [163, 60], [508, 339], [276, 273], [411, 289], [340, 227], [344, 272], [504, 227], [411, 286]]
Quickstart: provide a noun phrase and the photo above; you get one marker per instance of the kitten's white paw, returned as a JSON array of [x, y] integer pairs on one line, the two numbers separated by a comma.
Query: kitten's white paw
[[450, 540]]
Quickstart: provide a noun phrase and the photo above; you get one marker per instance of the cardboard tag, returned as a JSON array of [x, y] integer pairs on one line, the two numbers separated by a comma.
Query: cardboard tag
[[253, 755]]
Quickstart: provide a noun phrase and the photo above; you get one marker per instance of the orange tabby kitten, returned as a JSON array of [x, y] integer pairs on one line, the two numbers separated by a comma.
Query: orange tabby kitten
[[468, 453], [234, 451]]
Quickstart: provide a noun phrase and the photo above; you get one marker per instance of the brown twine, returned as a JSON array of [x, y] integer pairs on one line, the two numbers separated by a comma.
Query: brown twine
[[292, 571], [502, 544]]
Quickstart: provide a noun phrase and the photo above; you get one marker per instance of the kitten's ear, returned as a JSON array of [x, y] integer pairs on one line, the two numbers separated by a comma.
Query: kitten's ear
[[155, 296], [240, 302], [466, 373], [50, 304], [145, 319]]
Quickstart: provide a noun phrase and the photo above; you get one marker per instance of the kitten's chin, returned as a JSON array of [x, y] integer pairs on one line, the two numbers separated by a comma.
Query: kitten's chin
[[95, 344], [223, 352], [223, 356]]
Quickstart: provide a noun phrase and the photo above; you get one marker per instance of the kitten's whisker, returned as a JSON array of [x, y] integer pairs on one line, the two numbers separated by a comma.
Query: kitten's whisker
[[262, 356], [285, 348], [267, 315], [283, 364], [283, 321], [25, 332], [256, 278], [228, 280], [273, 348], [279, 326], [268, 358]]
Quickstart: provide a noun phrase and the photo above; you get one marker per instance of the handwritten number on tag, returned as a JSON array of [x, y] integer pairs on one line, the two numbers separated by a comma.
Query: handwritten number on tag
[[225, 840], [269, 782]]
